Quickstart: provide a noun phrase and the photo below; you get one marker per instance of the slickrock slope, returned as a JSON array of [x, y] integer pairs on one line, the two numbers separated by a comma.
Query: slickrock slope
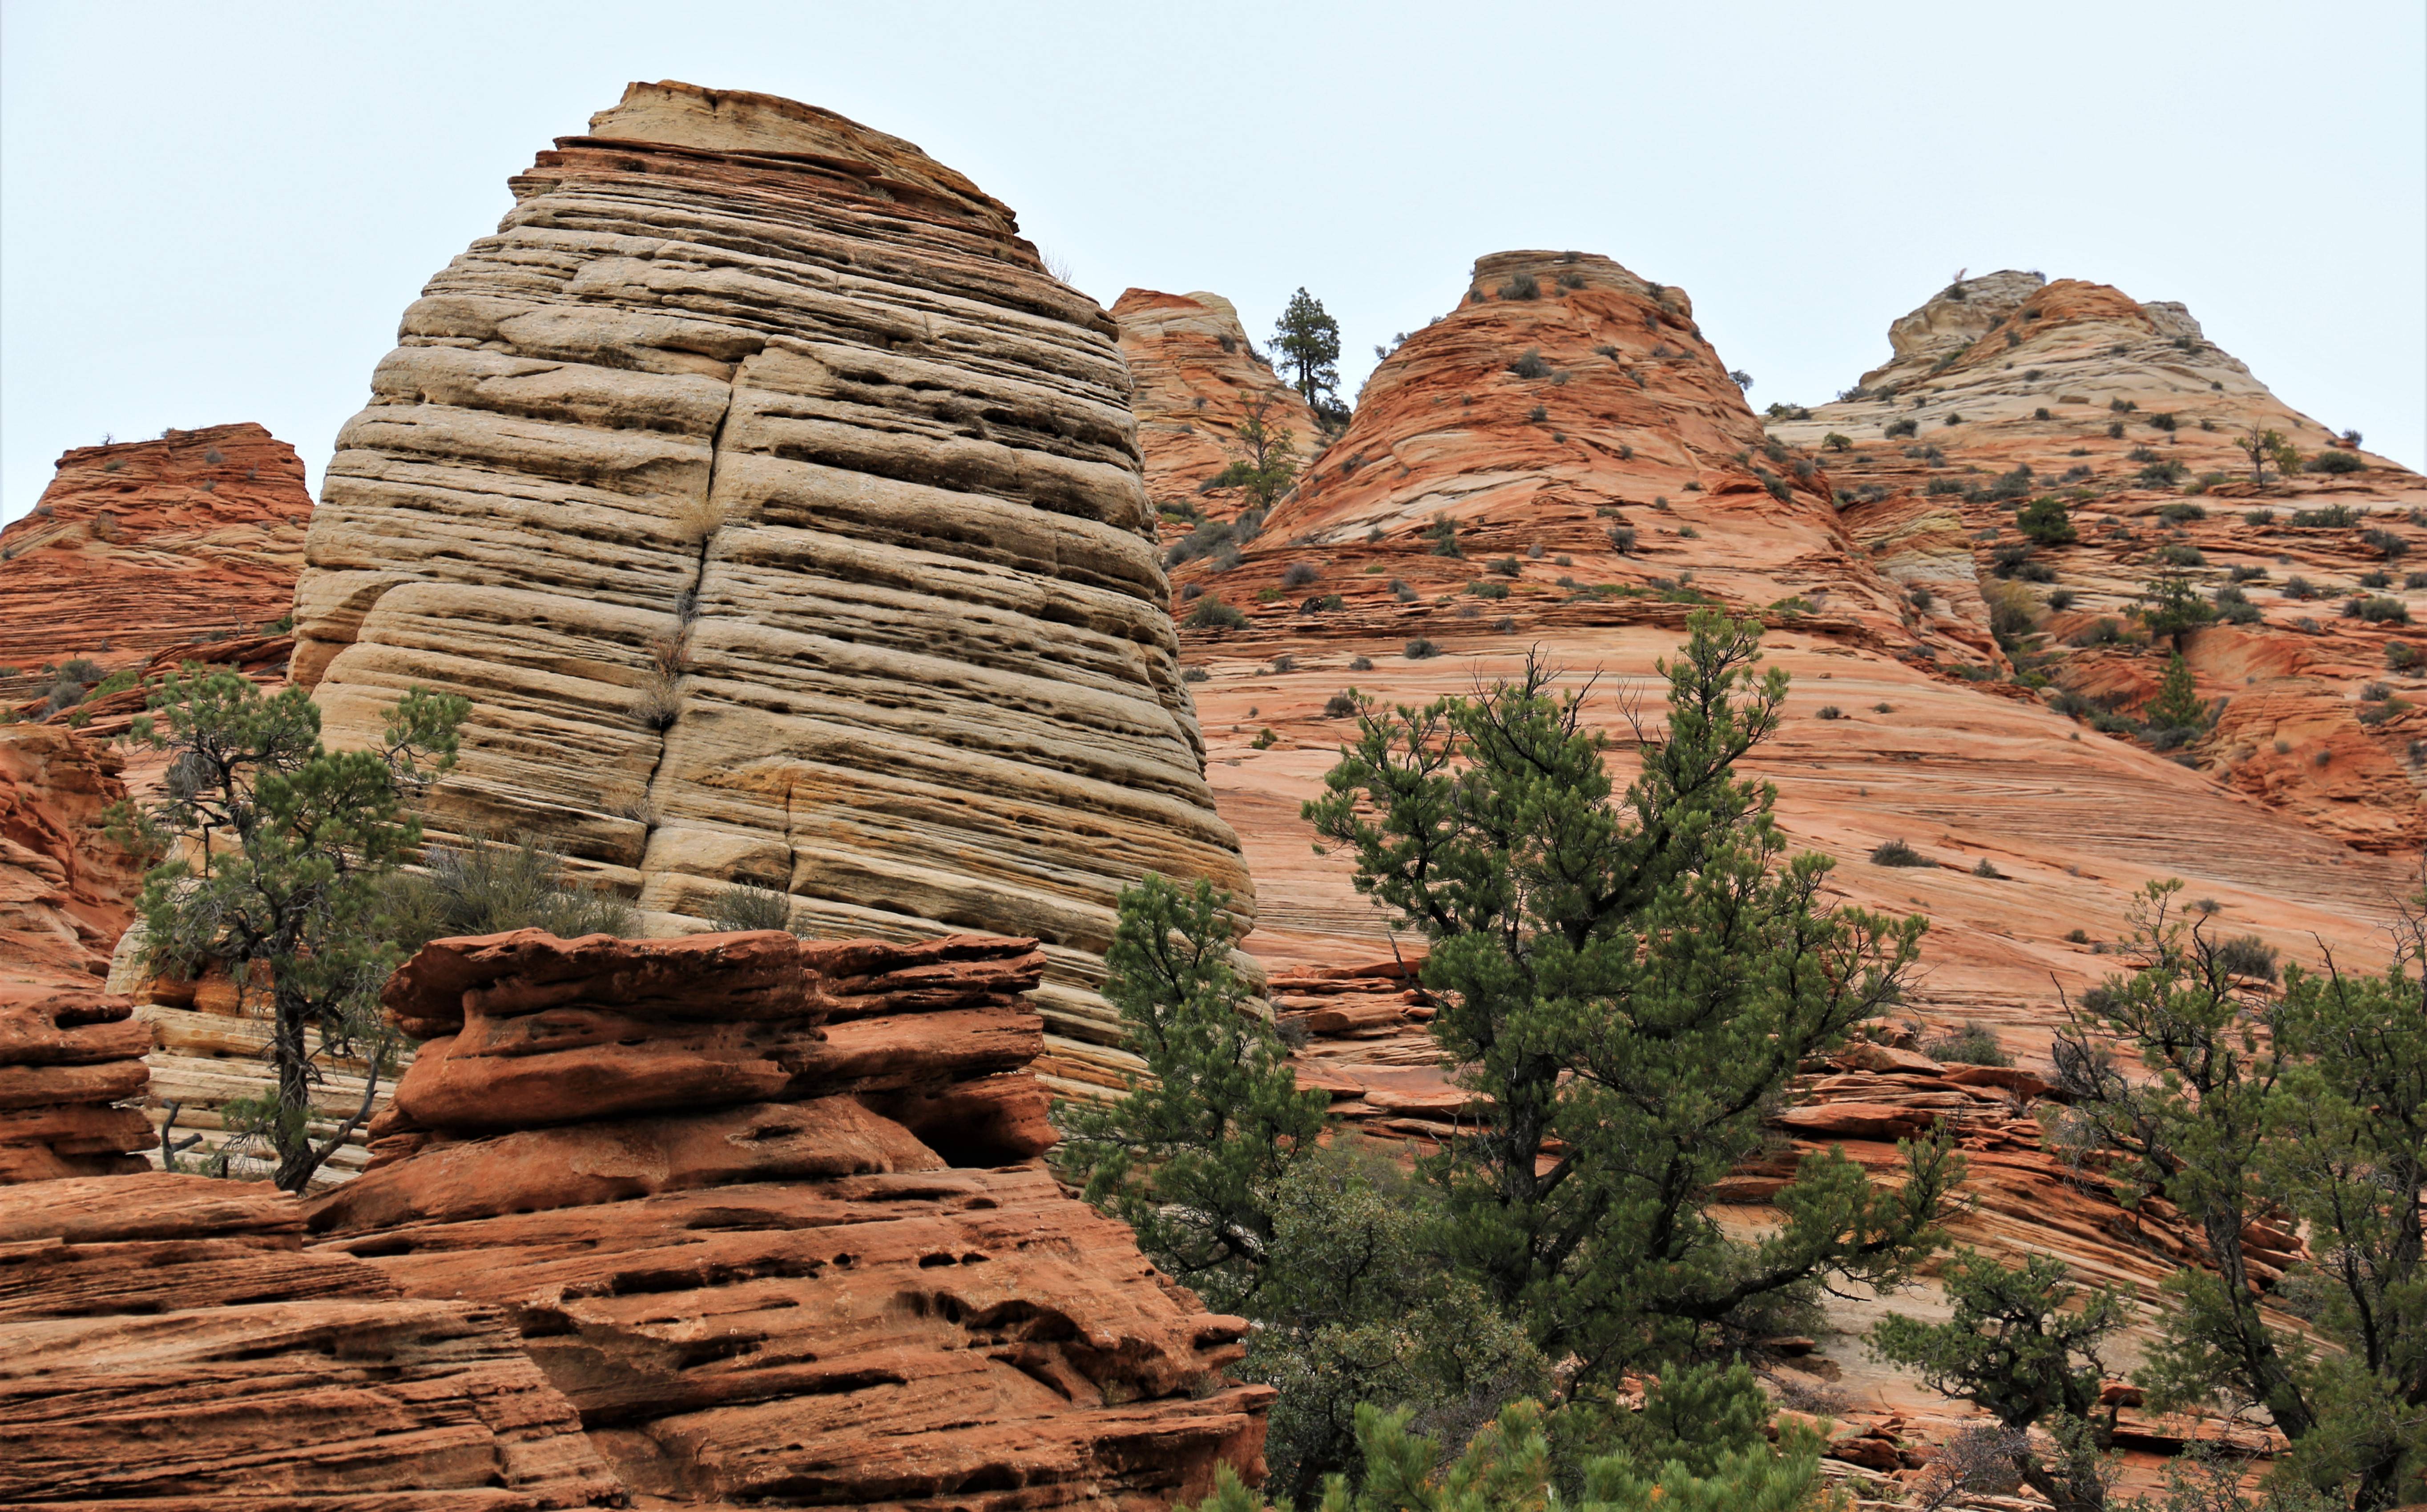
[[782, 520], [166, 1340], [2007, 388], [769, 1214], [1194, 381], [145, 544]]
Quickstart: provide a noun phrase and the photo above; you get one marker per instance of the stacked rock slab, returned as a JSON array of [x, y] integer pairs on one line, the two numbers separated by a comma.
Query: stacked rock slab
[[769, 1215], [167, 1341], [781, 518]]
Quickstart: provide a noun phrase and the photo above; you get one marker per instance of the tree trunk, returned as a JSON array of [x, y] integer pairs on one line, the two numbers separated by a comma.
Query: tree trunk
[[291, 1133]]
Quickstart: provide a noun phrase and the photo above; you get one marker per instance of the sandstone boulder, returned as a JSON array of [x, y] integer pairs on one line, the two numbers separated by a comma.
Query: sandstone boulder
[[781, 518]]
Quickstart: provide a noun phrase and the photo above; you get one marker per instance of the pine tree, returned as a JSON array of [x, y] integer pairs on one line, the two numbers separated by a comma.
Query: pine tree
[[1268, 459], [1630, 981], [1308, 340], [1193, 1156], [2047, 522], [2177, 705], [277, 852]]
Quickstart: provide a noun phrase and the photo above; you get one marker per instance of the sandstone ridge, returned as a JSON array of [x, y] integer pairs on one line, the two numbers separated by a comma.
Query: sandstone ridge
[[781, 518], [1195, 378]]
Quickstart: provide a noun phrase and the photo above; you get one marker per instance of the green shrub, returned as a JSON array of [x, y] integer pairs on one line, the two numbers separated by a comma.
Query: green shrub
[[1973, 1044], [2334, 461], [1419, 649], [1299, 574], [1898, 854], [1827, 712], [1530, 365], [2048, 522], [1210, 613], [1442, 532], [741, 907], [487, 887], [2329, 517], [1903, 427], [1520, 288], [2177, 514], [1488, 590], [2377, 610]]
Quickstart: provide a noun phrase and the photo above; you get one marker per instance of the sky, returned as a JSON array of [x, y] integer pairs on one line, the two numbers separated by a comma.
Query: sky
[[216, 213]]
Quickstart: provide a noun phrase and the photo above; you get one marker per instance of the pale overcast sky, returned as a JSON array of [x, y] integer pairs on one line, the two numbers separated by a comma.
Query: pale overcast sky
[[217, 212]]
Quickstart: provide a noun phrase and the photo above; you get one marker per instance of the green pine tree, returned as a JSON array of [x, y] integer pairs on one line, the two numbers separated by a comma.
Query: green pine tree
[[1630, 980], [2047, 522], [2177, 705], [1193, 1156], [1308, 340]]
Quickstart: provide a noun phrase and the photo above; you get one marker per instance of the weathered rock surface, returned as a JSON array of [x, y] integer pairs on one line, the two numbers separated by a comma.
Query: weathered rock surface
[[2120, 408], [167, 1341], [781, 518], [829, 1267], [142, 545], [1196, 377], [70, 1053]]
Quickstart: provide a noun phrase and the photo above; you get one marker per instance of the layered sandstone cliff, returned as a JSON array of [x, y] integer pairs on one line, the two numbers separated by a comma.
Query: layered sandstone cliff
[[781, 519], [141, 545], [2008, 388], [1195, 378]]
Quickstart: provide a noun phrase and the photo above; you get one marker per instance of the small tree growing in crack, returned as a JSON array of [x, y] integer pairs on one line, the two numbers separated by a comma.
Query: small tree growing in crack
[[274, 851]]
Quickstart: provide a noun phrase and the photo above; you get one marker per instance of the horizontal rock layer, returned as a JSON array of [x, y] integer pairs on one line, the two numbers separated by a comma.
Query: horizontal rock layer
[[781, 519], [166, 1341], [768, 1213]]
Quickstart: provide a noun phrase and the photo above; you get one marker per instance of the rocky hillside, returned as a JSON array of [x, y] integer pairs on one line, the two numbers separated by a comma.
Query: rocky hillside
[[2007, 389], [1195, 376], [1912, 717], [782, 520], [143, 546]]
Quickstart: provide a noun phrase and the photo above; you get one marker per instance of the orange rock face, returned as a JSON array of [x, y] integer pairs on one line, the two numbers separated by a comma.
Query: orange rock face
[[2077, 392], [142, 546], [69, 1051], [1195, 378], [166, 1340], [769, 1215]]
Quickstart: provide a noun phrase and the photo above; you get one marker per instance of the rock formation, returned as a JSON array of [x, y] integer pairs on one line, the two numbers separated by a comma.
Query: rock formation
[[1195, 377], [719, 1220], [142, 545], [781, 518], [770, 1216], [70, 1053], [2006, 388], [167, 1341]]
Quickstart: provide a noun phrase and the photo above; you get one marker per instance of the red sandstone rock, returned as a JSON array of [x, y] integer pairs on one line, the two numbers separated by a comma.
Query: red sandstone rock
[[1195, 378], [146, 544], [163, 1339], [852, 1280]]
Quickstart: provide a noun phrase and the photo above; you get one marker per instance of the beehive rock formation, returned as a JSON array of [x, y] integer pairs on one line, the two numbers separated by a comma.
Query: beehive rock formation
[[770, 1216], [781, 518], [2077, 391], [141, 545], [1196, 377], [167, 1341]]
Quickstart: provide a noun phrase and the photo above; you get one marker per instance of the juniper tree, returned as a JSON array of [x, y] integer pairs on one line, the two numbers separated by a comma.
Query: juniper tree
[[1629, 979], [275, 850], [2177, 705], [1268, 458]]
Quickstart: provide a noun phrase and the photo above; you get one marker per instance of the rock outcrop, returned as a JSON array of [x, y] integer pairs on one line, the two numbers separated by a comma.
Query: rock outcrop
[[781, 518], [1195, 377], [141, 545], [71, 1053], [167, 1341], [703, 1222], [770, 1216], [2008, 388], [1589, 457]]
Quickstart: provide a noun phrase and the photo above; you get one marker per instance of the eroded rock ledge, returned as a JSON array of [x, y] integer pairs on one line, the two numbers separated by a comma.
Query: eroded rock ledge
[[722, 1219]]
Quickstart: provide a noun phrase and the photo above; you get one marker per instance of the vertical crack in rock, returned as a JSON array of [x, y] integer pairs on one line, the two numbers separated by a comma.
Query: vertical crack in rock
[[932, 685]]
